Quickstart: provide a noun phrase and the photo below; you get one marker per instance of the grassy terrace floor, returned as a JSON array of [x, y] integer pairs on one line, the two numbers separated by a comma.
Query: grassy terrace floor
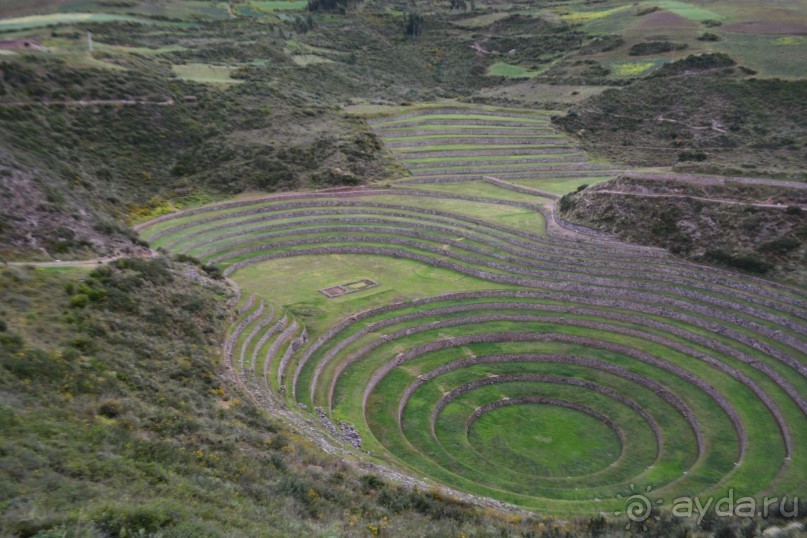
[[453, 145], [496, 357]]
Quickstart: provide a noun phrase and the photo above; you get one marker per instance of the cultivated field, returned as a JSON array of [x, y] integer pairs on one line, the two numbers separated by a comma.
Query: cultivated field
[[498, 355], [448, 145]]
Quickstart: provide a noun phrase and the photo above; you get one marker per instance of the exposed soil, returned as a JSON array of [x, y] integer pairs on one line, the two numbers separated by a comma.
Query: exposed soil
[[767, 27], [35, 220], [664, 20]]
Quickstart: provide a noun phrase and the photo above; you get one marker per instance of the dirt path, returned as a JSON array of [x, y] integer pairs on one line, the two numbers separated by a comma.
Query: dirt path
[[76, 263], [520, 188], [702, 199], [713, 180], [90, 102]]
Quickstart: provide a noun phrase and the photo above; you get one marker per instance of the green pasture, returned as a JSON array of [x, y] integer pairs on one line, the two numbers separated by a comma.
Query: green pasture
[[498, 158], [690, 10], [560, 185], [280, 5], [296, 282], [53, 19], [537, 119], [349, 397], [501, 69]]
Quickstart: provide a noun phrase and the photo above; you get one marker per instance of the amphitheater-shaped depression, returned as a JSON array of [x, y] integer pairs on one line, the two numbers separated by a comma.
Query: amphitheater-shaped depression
[[497, 357]]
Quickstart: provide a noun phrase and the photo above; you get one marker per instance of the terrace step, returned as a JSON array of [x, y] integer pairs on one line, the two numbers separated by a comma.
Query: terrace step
[[462, 112], [533, 142], [502, 162], [453, 178], [488, 131], [379, 127], [500, 170]]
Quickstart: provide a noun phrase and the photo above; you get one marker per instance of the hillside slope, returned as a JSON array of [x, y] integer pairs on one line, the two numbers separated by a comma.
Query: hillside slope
[[117, 420], [757, 228], [699, 115]]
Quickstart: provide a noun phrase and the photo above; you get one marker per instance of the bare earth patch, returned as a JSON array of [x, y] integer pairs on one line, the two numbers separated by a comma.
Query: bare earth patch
[[768, 27], [660, 20]]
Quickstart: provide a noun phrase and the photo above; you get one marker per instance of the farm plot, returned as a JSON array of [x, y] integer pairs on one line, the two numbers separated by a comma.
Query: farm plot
[[493, 343], [454, 145], [488, 351]]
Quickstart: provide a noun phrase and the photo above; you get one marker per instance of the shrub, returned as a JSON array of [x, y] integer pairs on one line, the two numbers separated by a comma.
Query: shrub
[[30, 364], [567, 203], [413, 26], [110, 408], [133, 521], [696, 62], [79, 301], [707, 36], [647, 11], [12, 343], [655, 47], [780, 245], [697, 156], [371, 482], [213, 272], [748, 263], [184, 258]]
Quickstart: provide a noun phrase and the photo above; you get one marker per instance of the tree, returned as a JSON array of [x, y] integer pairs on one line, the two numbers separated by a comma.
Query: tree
[[328, 5], [413, 24]]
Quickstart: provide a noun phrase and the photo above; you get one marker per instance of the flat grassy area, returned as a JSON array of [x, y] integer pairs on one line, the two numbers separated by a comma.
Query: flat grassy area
[[690, 11], [769, 55], [628, 69], [348, 398], [480, 188], [549, 441], [560, 185], [210, 74], [537, 119], [296, 281], [280, 5], [38, 21], [501, 69], [497, 158]]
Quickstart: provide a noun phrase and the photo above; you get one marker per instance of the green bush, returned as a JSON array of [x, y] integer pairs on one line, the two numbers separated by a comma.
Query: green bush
[[566, 203], [655, 47], [79, 301], [748, 262], [780, 245], [697, 156], [125, 520], [110, 408], [708, 36]]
